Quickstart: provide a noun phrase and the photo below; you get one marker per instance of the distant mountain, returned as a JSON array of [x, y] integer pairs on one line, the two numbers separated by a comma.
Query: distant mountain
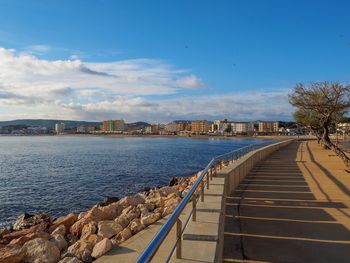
[[136, 125], [50, 124]]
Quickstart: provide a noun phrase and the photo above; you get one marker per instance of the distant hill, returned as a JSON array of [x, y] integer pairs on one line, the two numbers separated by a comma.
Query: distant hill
[[50, 124], [136, 125]]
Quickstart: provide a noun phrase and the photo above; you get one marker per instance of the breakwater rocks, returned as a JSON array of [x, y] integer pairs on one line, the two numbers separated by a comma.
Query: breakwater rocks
[[86, 236]]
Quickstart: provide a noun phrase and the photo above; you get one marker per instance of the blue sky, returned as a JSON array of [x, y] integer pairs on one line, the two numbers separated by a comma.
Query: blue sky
[[173, 59]]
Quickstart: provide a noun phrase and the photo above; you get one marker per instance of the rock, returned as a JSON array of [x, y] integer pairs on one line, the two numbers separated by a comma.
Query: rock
[[67, 221], [59, 241], [170, 207], [123, 235], [157, 200], [3, 232], [82, 214], [136, 226], [123, 220], [88, 229], [86, 256], [40, 250], [108, 200], [70, 260], [149, 206], [82, 249], [149, 218], [60, 230], [173, 181], [96, 214], [112, 211], [109, 229], [17, 234], [24, 239], [71, 239], [132, 200], [26, 221], [12, 254], [167, 190], [101, 248]]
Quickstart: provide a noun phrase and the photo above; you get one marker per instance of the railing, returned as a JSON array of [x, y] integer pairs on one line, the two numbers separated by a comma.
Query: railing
[[202, 181]]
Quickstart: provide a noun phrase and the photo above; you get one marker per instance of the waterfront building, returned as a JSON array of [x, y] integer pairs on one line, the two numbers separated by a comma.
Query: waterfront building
[[268, 127], [85, 129], [220, 126], [59, 128], [183, 126], [242, 127], [199, 126], [152, 129], [113, 126], [170, 127]]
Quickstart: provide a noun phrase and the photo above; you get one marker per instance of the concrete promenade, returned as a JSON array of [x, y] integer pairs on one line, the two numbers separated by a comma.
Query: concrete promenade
[[292, 207]]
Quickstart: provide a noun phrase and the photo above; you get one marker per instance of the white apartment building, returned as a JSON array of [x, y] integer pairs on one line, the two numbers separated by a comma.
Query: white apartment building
[[242, 127], [60, 127]]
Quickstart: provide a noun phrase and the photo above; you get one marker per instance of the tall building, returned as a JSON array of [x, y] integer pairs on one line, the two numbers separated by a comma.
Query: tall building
[[242, 127], [199, 126], [268, 126], [113, 126], [220, 127], [60, 127], [170, 127], [182, 126]]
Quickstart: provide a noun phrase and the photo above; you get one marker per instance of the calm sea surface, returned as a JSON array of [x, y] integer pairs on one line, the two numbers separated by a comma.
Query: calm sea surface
[[58, 175]]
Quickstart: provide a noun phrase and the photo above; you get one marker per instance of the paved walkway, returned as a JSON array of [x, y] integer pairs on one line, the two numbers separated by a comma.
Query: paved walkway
[[293, 207]]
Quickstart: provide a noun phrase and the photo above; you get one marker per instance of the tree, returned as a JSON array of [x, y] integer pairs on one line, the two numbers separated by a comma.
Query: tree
[[309, 120], [321, 103]]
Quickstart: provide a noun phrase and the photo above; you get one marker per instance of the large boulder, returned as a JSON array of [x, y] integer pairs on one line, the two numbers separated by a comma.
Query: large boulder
[[40, 250], [108, 200], [101, 248], [12, 254], [149, 218], [123, 235], [24, 239], [109, 229], [128, 215], [27, 220], [96, 214], [59, 241], [60, 230], [67, 221], [70, 260], [112, 210], [167, 190], [3, 232], [132, 200], [89, 229], [136, 226], [17, 234], [170, 206], [82, 249]]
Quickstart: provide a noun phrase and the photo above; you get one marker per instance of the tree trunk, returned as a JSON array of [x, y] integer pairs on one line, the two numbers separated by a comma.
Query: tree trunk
[[325, 136]]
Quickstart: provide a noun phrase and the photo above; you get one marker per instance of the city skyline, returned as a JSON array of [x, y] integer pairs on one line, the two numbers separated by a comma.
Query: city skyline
[[107, 60]]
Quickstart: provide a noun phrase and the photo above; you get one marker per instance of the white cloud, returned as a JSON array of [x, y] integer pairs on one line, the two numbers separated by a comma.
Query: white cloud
[[71, 89]]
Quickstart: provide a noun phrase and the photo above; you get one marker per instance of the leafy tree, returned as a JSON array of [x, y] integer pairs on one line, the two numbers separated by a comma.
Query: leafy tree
[[320, 105]]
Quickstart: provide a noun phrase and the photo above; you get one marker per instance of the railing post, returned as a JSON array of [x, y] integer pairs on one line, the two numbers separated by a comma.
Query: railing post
[[208, 180], [211, 173], [194, 208], [202, 191], [178, 236]]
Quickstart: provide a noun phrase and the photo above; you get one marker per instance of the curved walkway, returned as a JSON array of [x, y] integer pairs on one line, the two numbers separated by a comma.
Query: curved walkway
[[293, 207]]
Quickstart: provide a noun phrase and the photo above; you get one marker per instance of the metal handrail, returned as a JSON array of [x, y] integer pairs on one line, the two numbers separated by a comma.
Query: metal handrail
[[156, 242]]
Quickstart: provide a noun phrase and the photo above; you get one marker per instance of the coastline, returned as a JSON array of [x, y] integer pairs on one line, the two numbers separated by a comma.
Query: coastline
[[80, 236]]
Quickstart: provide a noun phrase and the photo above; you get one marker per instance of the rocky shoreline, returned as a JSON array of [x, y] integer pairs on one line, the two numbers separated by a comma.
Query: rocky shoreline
[[88, 235]]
